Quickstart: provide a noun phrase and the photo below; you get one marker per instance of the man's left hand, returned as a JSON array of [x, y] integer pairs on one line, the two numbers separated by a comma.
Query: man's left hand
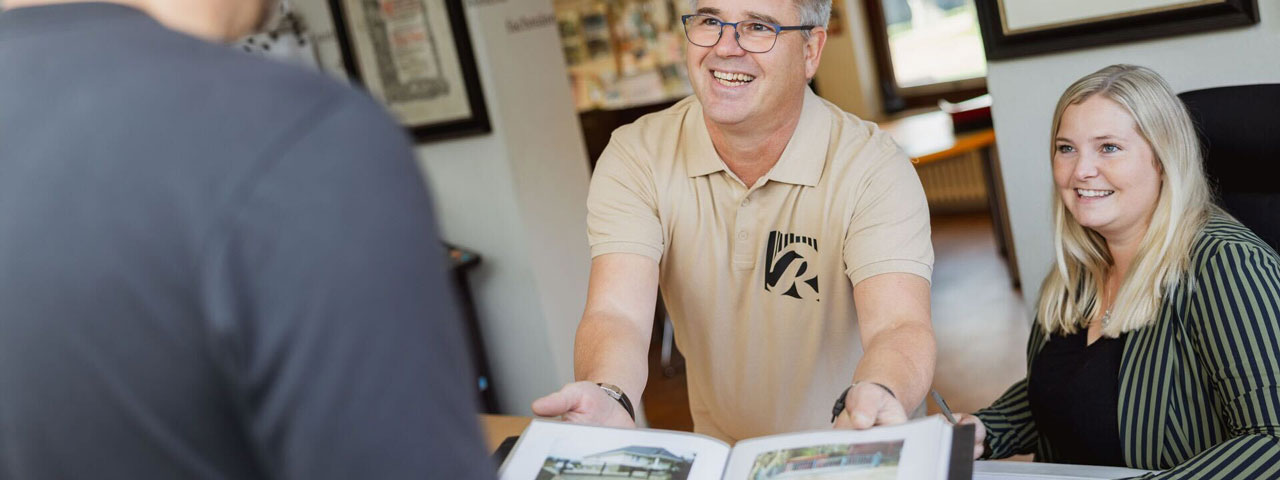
[[867, 405]]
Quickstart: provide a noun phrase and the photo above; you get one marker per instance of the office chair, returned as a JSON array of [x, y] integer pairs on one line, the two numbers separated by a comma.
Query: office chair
[[1239, 129]]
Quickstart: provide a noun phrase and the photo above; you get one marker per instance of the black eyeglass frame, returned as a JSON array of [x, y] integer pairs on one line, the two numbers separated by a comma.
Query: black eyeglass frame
[[737, 36]]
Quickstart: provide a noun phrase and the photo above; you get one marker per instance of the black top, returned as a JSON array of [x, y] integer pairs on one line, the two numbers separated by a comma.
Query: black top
[[1074, 390], [213, 266]]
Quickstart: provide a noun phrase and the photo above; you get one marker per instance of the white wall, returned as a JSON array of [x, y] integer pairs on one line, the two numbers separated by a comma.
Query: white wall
[[1025, 91], [847, 74], [517, 195]]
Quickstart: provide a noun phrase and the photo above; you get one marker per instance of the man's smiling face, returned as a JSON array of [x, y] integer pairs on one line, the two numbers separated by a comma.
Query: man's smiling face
[[734, 85]]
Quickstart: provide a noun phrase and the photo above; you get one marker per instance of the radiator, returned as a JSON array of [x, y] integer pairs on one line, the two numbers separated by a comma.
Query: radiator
[[955, 185]]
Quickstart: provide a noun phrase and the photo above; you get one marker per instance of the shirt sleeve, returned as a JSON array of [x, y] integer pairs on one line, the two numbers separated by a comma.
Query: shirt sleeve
[[622, 204], [335, 325], [889, 230], [1011, 428]]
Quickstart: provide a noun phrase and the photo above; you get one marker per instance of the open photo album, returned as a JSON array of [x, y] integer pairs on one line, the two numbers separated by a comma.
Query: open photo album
[[928, 448]]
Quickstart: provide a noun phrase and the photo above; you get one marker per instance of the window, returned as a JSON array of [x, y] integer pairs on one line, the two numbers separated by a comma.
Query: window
[[926, 50]]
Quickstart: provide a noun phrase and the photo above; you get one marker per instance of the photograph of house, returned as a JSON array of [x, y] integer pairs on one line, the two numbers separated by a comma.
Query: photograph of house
[[627, 462], [860, 461]]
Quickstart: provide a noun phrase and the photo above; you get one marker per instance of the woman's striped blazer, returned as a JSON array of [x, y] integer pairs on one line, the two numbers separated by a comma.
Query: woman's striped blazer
[[1200, 387]]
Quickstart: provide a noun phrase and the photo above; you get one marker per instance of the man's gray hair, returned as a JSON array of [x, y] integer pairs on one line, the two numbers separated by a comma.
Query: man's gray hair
[[812, 12]]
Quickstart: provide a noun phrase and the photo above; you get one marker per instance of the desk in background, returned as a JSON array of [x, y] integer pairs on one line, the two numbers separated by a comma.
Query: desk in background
[[498, 427], [930, 137]]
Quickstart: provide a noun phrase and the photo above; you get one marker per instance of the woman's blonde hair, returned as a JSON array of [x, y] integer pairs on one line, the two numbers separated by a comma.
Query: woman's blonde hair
[[1070, 294]]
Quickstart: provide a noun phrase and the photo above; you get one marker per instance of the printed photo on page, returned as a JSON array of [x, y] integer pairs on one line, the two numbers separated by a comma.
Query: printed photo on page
[[554, 450]]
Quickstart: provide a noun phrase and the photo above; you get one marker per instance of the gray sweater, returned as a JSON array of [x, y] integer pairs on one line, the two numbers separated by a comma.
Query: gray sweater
[[213, 266]]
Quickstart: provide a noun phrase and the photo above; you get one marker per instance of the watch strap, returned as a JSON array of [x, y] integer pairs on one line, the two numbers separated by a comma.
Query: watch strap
[[617, 394], [839, 406]]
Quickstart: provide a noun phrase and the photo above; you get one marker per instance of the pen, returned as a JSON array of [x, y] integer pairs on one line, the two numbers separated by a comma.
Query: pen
[[946, 411]]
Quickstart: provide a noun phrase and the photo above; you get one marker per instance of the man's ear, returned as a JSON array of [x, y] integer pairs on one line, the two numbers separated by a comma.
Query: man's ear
[[813, 50]]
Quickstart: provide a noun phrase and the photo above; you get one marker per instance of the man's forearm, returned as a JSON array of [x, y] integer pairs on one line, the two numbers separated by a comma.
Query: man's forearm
[[901, 358], [612, 349]]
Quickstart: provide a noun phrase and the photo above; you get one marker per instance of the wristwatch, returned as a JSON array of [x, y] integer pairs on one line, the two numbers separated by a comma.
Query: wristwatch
[[839, 406], [617, 394]]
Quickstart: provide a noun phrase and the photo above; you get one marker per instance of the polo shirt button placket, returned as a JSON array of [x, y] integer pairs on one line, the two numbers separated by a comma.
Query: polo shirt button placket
[[743, 250]]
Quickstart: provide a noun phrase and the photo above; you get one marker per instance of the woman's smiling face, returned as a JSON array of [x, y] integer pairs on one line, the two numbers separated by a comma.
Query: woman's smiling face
[[1104, 169]]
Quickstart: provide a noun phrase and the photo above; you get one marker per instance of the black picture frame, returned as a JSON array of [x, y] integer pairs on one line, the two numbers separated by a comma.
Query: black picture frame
[[1175, 19], [475, 121]]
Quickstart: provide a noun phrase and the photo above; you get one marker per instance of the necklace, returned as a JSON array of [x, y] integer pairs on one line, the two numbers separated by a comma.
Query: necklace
[[1109, 296]]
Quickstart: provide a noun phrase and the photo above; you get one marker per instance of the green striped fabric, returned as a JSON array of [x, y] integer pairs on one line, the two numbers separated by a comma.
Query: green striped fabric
[[1200, 388]]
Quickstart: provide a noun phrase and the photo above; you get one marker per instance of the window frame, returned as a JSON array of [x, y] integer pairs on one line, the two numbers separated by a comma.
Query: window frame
[[895, 99]]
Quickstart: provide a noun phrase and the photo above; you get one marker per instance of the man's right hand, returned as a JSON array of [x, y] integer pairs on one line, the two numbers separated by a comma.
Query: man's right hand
[[585, 403]]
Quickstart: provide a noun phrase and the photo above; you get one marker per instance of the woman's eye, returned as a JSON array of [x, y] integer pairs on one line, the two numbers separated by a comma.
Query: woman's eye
[[1110, 148], [710, 22], [1065, 149]]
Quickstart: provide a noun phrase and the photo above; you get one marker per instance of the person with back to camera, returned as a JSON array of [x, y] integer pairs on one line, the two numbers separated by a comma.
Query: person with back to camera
[[213, 265], [1155, 342]]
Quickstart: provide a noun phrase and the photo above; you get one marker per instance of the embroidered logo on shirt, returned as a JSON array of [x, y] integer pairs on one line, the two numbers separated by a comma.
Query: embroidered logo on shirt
[[787, 271]]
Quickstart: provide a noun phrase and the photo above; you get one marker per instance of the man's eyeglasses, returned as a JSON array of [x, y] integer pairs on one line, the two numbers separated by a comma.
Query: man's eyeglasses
[[754, 36]]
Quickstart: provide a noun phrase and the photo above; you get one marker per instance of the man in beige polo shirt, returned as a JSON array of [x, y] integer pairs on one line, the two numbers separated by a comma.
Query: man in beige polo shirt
[[789, 239]]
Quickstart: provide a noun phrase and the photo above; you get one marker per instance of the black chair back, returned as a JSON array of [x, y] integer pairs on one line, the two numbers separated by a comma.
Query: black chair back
[[1239, 130]]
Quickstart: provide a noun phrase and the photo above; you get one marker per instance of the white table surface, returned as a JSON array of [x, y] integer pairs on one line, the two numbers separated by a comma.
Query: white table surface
[[988, 470]]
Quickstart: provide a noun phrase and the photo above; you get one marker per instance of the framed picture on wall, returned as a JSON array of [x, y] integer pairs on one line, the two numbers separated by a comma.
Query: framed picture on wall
[[415, 56], [1015, 28]]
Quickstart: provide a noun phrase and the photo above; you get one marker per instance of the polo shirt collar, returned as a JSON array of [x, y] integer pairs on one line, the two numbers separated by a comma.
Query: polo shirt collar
[[801, 162], [699, 154]]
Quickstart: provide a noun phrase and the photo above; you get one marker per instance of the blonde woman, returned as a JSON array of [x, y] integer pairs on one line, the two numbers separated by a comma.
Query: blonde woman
[[1156, 343]]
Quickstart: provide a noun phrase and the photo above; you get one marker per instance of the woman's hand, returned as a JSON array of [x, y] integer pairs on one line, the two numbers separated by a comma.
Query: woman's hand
[[979, 432]]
